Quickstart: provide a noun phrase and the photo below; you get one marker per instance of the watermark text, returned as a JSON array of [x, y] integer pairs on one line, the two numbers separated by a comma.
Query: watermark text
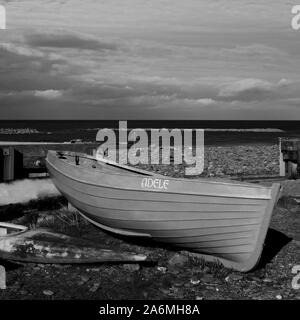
[[153, 146]]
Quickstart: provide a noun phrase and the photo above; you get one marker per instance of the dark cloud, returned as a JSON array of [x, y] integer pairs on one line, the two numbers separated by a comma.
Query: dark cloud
[[66, 40], [24, 69]]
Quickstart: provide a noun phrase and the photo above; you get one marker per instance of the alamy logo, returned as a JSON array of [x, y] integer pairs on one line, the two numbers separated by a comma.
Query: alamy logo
[[156, 151], [296, 19], [2, 17]]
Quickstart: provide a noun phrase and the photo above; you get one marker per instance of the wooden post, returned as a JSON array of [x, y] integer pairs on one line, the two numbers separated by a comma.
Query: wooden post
[[3, 232], [2, 278], [281, 162]]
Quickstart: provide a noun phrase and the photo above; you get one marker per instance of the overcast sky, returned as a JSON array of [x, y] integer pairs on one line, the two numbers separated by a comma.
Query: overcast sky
[[149, 59]]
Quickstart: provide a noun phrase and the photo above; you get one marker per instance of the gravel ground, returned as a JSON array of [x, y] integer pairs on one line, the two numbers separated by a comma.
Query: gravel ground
[[228, 161]]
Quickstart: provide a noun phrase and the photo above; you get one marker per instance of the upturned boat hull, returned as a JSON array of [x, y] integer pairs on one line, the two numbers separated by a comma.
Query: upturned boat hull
[[221, 219]]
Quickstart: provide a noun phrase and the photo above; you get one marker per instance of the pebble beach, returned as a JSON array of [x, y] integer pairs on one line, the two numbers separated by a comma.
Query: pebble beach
[[173, 275]]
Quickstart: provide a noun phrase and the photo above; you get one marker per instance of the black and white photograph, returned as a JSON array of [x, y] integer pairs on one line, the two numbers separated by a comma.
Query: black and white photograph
[[149, 153]]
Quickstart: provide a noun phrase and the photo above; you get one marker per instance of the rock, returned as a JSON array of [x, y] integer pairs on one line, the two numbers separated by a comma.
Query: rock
[[195, 281], [59, 266], [268, 280], [279, 297], [132, 267], [36, 268], [256, 279], [48, 292], [95, 287], [178, 284], [199, 298], [24, 292], [162, 269], [85, 278], [178, 260], [234, 277], [165, 291], [208, 278], [297, 243]]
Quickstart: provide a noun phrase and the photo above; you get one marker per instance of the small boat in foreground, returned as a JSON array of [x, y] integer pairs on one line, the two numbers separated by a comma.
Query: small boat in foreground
[[224, 220], [17, 243]]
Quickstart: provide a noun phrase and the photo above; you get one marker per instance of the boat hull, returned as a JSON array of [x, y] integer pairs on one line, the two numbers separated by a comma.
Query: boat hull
[[221, 220]]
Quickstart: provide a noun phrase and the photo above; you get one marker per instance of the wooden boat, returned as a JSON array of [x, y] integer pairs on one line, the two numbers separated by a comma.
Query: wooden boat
[[223, 220], [17, 243]]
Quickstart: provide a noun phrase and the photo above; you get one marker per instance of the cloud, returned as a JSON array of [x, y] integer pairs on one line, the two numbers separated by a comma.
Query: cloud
[[48, 94], [21, 50], [105, 58], [206, 101], [254, 51], [68, 40], [251, 90], [24, 68]]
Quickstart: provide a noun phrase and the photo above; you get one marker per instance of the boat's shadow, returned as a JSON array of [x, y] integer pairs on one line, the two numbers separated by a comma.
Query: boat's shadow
[[274, 242]]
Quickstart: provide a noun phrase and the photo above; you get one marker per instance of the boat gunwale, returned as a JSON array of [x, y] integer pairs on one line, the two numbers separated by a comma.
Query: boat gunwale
[[223, 181]]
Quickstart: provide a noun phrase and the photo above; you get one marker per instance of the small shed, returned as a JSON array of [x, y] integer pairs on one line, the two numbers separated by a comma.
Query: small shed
[[289, 157], [11, 164]]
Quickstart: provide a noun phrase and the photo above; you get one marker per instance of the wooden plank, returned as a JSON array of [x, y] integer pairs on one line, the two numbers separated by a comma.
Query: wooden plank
[[2, 278], [281, 162]]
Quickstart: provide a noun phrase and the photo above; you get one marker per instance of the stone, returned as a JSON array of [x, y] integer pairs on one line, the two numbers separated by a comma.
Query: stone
[[297, 243], [48, 292], [165, 291], [84, 278], [132, 267], [24, 292], [195, 281], [208, 278], [162, 269], [178, 260], [256, 279], [234, 277], [95, 287]]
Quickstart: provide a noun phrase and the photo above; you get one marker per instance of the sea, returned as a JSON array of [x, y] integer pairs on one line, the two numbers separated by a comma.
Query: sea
[[216, 132]]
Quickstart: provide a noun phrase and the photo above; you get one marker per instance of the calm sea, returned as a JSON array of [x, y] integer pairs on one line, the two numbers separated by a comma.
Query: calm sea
[[218, 132]]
